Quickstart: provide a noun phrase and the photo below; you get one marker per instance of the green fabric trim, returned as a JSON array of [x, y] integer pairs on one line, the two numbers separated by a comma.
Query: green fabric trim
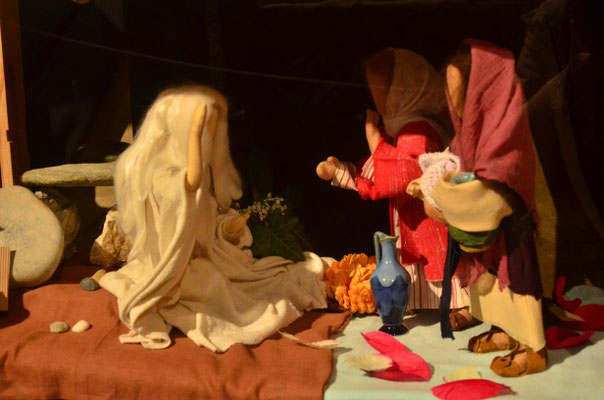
[[472, 241]]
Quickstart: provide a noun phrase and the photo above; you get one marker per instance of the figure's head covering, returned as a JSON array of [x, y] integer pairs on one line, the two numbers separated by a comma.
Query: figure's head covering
[[161, 144], [404, 87], [493, 138]]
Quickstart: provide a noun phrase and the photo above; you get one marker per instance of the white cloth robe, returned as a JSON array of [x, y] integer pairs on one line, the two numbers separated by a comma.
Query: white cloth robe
[[211, 289]]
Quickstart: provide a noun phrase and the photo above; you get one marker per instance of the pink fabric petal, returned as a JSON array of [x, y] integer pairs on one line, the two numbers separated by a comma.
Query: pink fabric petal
[[406, 365], [398, 376], [470, 389], [593, 318], [567, 305], [383, 342], [560, 338]]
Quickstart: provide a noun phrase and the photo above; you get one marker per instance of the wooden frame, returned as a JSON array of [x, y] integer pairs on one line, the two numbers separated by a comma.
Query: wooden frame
[[14, 156], [4, 276]]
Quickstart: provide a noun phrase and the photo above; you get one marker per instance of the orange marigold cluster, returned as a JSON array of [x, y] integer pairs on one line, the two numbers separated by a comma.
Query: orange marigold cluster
[[347, 281]]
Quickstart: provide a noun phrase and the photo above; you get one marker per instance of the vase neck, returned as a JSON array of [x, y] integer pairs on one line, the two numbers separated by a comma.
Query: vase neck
[[387, 248]]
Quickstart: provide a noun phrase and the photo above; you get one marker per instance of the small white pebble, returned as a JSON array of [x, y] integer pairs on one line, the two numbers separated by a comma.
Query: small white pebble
[[80, 326]]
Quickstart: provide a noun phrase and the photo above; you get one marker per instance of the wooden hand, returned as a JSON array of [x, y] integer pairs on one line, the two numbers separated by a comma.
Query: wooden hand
[[434, 213], [233, 229], [326, 170], [414, 189], [195, 133], [371, 130], [193, 177]]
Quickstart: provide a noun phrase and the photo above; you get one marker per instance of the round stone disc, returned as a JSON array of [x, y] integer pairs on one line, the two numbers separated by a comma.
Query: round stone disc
[[33, 233]]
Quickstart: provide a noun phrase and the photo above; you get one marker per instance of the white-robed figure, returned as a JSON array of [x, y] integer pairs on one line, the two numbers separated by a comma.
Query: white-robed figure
[[190, 266]]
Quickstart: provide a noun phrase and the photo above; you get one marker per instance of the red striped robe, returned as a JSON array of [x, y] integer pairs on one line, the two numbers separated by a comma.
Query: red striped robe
[[422, 243]]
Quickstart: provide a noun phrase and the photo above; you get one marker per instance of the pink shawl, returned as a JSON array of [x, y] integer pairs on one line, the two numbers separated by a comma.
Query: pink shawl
[[493, 139]]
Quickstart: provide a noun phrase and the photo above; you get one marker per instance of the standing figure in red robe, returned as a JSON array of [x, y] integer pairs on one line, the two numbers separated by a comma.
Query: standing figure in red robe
[[409, 98]]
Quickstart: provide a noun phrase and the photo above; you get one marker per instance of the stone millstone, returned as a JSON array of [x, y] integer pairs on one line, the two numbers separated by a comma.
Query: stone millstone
[[33, 233], [66, 212], [71, 175]]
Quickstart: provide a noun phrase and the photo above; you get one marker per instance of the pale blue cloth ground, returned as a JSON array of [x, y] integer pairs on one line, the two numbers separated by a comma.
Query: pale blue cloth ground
[[575, 373]]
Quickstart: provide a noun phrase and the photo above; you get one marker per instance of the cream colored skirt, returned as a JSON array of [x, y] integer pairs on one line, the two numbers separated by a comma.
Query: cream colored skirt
[[518, 315]]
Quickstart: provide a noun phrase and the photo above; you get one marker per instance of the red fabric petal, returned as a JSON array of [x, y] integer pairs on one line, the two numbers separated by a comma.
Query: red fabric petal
[[398, 376], [593, 318], [406, 365], [567, 305], [560, 338], [383, 342], [470, 389]]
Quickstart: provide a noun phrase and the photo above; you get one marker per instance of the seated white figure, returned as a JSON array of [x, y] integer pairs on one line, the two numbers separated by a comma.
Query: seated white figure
[[189, 267]]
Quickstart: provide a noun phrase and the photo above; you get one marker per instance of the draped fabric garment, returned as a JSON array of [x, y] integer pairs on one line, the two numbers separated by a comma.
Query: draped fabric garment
[[414, 94], [214, 292], [493, 140], [408, 94], [422, 242]]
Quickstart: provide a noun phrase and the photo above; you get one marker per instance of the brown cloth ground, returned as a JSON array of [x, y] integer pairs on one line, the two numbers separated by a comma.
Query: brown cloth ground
[[35, 363]]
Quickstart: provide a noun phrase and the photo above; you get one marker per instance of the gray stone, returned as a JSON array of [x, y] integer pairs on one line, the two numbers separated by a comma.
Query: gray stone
[[111, 248], [59, 327], [65, 211], [33, 233], [71, 175], [89, 284]]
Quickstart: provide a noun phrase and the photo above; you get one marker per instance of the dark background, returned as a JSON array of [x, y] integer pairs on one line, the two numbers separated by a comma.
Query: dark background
[[292, 71]]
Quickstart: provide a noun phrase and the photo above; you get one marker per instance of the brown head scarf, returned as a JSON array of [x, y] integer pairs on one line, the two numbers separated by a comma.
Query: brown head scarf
[[405, 87]]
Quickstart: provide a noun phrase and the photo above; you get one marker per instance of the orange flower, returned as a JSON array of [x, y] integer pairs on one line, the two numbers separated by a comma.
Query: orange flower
[[348, 283]]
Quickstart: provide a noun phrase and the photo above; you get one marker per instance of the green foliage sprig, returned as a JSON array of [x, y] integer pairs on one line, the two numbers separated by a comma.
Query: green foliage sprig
[[275, 231]]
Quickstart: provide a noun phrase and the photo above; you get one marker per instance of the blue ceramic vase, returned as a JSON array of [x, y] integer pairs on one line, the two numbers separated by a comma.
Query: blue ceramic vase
[[390, 285]]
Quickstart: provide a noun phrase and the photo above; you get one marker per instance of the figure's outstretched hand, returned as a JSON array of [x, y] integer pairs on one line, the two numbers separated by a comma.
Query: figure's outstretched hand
[[414, 189], [326, 170], [233, 229], [371, 130], [193, 177], [433, 213]]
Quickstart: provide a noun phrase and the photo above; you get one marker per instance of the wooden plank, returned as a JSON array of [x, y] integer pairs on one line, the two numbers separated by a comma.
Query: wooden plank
[[4, 276], [6, 167], [14, 155]]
